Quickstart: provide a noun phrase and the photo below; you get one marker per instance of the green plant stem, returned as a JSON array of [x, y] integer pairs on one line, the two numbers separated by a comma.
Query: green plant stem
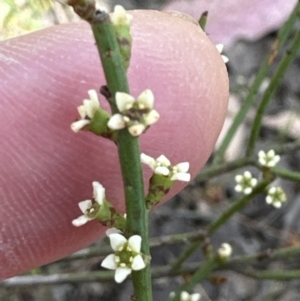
[[265, 66], [235, 207], [279, 275], [287, 174], [234, 264], [223, 168], [274, 84], [267, 255], [128, 146], [200, 274], [129, 156], [216, 170], [203, 20]]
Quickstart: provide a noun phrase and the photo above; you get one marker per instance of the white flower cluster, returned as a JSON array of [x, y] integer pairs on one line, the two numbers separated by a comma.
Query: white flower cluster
[[245, 183], [269, 159], [135, 114], [87, 206], [120, 16], [163, 166], [127, 257], [86, 111], [220, 48], [276, 196], [185, 296]]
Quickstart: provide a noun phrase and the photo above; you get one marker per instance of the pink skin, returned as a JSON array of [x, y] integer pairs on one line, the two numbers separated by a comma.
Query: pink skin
[[46, 169]]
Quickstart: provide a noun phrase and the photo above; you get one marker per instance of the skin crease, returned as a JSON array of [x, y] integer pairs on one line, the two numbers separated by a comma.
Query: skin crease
[[46, 169]]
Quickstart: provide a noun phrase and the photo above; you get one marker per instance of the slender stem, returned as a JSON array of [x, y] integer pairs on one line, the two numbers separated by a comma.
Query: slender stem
[[287, 174], [235, 207], [129, 156], [200, 274], [111, 60], [265, 66], [274, 84], [279, 275], [216, 170], [235, 264], [203, 20], [128, 146], [238, 205]]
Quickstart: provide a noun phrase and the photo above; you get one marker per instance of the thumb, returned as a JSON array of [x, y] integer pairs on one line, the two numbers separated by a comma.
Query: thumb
[[46, 169]]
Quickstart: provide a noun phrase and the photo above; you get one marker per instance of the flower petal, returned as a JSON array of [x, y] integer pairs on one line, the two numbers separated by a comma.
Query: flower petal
[[148, 160], [247, 174], [79, 125], [121, 274], [146, 98], [181, 176], [183, 167], [91, 106], [109, 262], [124, 101], [135, 242], [195, 297], [163, 160], [111, 231], [238, 188], [269, 199], [239, 178], [184, 296], [85, 205], [136, 130], [99, 192], [81, 111], [93, 96], [162, 170], [116, 122], [224, 58], [277, 204], [248, 190], [138, 263], [120, 17], [220, 47], [80, 221], [151, 117], [117, 240]]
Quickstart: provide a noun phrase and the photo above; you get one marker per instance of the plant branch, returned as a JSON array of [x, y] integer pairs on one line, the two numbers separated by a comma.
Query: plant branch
[[234, 264], [265, 66], [235, 207], [274, 84], [128, 146]]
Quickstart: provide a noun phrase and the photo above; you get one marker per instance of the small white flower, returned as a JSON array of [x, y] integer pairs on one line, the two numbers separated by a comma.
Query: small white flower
[[225, 251], [86, 111], [276, 196], [135, 114], [269, 159], [185, 296], [163, 166], [220, 48], [127, 256], [120, 17], [245, 183], [87, 207]]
